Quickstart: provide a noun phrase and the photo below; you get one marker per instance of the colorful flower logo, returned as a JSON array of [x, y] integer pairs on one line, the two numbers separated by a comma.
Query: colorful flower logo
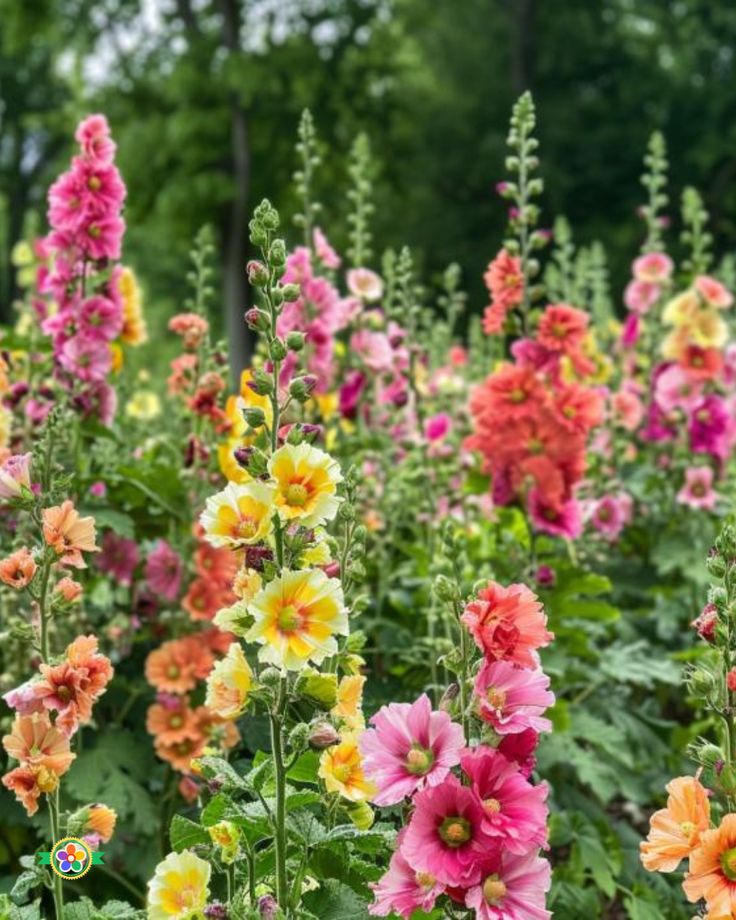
[[71, 858]]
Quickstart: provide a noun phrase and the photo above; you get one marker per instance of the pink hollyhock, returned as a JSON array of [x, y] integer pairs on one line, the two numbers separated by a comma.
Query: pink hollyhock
[[365, 284], [507, 623], [403, 891], [627, 409], [511, 887], [515, 810], [705, 623], [374, 348], [521, 747], [513, 699], [674, 389], [408, 748], [640, 296], [23, 699], [118, 558], [697, 492], [15, 475], [564, 520], [631, 330], [93, 136], [86, 357], [350, 393], [325, 253], [163, 570], [446, 835], [100, 317], [713, 292], [437, 427], [709, 426], [608, 516], [653, 267], [103, 236]]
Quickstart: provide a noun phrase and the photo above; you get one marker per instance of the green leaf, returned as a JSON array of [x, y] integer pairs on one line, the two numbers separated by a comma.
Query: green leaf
[[25, 883], [184, 833], [214, 810], [638, 909], [334, 900]]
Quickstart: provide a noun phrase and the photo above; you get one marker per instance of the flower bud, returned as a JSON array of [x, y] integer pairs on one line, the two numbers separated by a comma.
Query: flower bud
[[256, 319], [301, 388], [701, 682], [277, 253], [715, 563], [291, 292], [299, 737], [257, 273], [243, 456], [278, 350], [705, 624], [216, 911], [270, 677], [311, 433], [295, 341], [448, 697], [361, 814], [254, 416], [323, 735], [267, 907], [709, 755], [261, 384]]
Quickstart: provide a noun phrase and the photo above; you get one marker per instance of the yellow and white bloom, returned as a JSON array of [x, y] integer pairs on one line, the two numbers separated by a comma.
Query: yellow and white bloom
[[318, 552], [179, 888], [237, 428], [350, 702], [239, 515], [341, 767], [297, 617], [229, 683], [306, 481]]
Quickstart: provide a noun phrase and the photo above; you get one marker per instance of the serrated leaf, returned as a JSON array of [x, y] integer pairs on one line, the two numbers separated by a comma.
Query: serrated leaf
[[184, 833], [334, 900], [214, 810]]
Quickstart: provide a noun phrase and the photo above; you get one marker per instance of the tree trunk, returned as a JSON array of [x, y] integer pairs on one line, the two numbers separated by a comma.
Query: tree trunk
[[235, 287]]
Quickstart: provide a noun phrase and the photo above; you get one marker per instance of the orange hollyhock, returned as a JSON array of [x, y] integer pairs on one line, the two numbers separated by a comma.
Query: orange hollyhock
[[216, 564], [18, 569], [180, 753], [69, 534], [712, 874], [177, 665], [44, 756], [674, 831], [172, 723], [202, 600], [101, 821]]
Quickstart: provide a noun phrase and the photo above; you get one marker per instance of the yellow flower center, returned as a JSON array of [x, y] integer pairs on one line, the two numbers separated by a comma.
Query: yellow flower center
[[94, 183], [94, 231], [455, 831], [687, 828], [64, 694], [296, 495], [342, 772], [494, 890], [517, 396], [496, 697], [172, 671], [176, 721], [246, 528], [492, 805], [419, 760], [46, 780], [728, 864], [425, 880], [558, 330], [289, 618], [569, 412]]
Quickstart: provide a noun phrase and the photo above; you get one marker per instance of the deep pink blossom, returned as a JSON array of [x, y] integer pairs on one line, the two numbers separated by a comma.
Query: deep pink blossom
[[118, 558], [513, 699], [564, 520], [511, 887], [403, 891], [163, 570]]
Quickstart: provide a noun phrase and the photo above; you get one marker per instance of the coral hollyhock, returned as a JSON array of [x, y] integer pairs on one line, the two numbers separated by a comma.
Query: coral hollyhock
[[69, 534], [675, 831], [18, 569], [712, 872]]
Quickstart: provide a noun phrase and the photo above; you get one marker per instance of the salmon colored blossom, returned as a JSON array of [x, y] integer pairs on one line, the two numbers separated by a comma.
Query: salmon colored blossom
[[177, 665], [69, 534], [69, 589], [18, 569], [712, 873], [675, 831]]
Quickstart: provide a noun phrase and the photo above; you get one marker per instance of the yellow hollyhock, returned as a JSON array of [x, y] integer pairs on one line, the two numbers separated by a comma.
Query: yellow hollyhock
[[297, 617], [341, 768], [229, 683], [134, 324], [350, 701], [179, 888], [239, 515], [681, 309], [234, 406], [306, 484]]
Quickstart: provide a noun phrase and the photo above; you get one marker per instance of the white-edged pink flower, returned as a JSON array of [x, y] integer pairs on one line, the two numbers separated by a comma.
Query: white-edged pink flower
[[511, 887], [609, 516], [15, 475], [698, 492], [675, 389], [409, 747], [366, 284], [24, 699], [713, 292], [653, 268], [401, 890], [640, 296], [513, 699]]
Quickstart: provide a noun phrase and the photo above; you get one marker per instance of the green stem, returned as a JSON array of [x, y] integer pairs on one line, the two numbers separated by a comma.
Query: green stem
[[55, 836], [277, 752]]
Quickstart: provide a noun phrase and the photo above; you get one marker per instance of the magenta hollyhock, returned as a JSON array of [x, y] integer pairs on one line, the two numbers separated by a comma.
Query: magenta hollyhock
[[118, 558], [521, 748], [709, 427], [163, 570], [100, 317], [401, 890], [564, 520], [513, 699], [408, 748], [511, 887], [697, 491], [515, 810], [446, 836]]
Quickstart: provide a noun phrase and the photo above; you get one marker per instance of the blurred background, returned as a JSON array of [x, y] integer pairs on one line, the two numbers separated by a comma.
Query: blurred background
[[204, 97]]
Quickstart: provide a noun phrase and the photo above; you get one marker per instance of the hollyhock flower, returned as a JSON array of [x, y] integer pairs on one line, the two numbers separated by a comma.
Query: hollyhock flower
[[631, 331], [520, 747], [241, 514], [437, 427], [702, 363], [100, 820], [15, 475], [640, 296], [675, 389], [712, 872], [171, 719], [191, 327], [341, 767], [494, 317], [675, 831], [408, 748], [103, 237], [403, 891], [515, 810], [202, 600], [179, 889], [608, 516], [86, 357], [507, 623], [324, 252], [23, 699], [306, 484], [513, 699], [504, 280], [180, 753], [705, 623], [177, 665], [510, 394], [511, 887], [35, 742], [708, 429], [220, 565], [713, 292], [163, 570], [446, 835], [118, 557], [697, 492], [374, 349], [100, 317], [229, 684], [18, 569], [93, 136], [348, 708], [563, 521], [653, 267], [627, 409], [365, 284], [296, 617], [350, 393], [562, 328], [580, 408]]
